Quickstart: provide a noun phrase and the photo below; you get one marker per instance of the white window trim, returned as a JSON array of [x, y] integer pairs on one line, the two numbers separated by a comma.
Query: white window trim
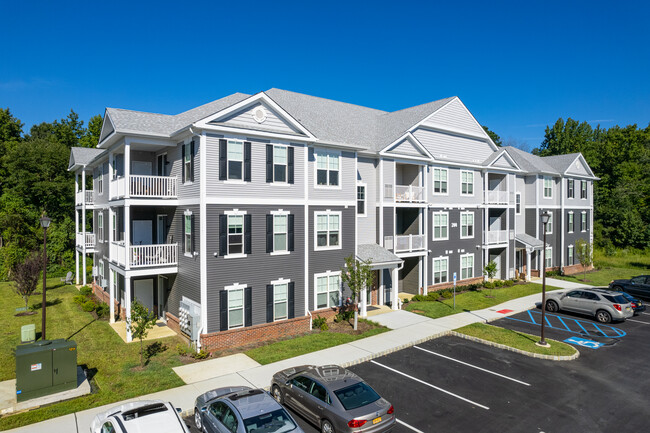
[[473, 183], [460, 263], [187, 213], [328, 247], [326, 274], [461, 225], [544, 179], [586, 197], [433, 227], [100, 269], [100, 226], [100, 180], [188, 173], [277, 282], [433, 181], [276, 213], [550, 221], [518, 194], [433, 272], [583, 217], [242, 287], [329, 153], [279, 182], [365, 199], [549, 257], [573, 254], [571, 224], [236, 212], [573, 189]]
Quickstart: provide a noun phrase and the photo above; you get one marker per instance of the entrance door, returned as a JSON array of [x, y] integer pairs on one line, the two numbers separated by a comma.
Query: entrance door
[[143, 292], [161, 228], [142, 232], [162, 165], [497, 260]]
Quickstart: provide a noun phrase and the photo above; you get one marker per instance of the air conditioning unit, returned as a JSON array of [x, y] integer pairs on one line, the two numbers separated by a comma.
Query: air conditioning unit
[[95, 271], [103, 282]]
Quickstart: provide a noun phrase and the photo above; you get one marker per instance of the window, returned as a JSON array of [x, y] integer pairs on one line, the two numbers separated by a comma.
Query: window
[[320, 393], [280, 159], [583, 189], [467, 182], [280, 301], [328, 230], [108, 428], [187, 237], [235, 156], [280, 233], [583, 221], [327, 168], [569, 225], [466, 266], [440, 270], [548, 187], [100, 226], [549, 257], [549, 224], [361, 200], [440, 180], [114, 227], [440, 226], [570, 255], [235, 234], [466, 225], [187, 163], [235, 308], [100, 269], [100, 181], [570, 191], [328, 288], [518, 203]]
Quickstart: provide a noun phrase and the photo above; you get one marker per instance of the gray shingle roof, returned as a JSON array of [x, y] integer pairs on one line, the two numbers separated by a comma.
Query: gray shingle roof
[[376, 254], [80, 156], [529, 162], [560, 162], [529, 240]]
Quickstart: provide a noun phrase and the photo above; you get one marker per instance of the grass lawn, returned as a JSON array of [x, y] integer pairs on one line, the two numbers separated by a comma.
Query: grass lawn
[[602, 277], [113, 363], [308, 343], [622, 264], [470, 301], [518, 340]]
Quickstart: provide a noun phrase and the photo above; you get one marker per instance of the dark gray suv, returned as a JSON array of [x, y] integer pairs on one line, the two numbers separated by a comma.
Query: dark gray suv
[[604, 305]]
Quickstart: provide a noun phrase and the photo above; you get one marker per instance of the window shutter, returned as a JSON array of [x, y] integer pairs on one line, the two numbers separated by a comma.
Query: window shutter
[[193, 235], [248, 306], [223, 235], [269, 233], [247, 235], [223, 159], [291, 301], [290, 165], [192, 161], [223, 309], [106, 222], [183, 163], [290, 232], [269, 303], [269, 163], [247, 161]]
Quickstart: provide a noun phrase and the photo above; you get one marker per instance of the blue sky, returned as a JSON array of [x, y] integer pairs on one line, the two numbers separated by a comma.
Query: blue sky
[[518, 66]]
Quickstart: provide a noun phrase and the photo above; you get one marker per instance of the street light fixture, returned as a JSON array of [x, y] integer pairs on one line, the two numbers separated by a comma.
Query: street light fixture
[[45, 223], [546, 216]]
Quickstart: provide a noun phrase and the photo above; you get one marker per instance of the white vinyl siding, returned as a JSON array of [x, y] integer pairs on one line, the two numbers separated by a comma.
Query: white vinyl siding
[[466, 225], [440, 179], [466, 266], [440, 270], [440, 226]]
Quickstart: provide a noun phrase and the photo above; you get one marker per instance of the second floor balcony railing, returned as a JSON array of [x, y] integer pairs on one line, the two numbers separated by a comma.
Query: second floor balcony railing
[[88, 195], [409, 194], [145, 186], [153, 255], [409, 243], [496, 237], [497, 197], [88, 240]]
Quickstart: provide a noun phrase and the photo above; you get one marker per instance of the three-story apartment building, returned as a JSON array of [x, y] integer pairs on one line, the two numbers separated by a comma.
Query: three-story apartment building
[[232, 220]]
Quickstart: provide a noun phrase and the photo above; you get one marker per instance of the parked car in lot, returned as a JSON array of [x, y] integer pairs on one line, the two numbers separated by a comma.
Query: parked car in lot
[[638, 286], [604, 305], [333, 398], [241, 410], [148, 416], [637, 305]]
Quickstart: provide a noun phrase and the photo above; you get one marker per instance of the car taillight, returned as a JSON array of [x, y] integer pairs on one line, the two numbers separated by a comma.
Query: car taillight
[[617, 306], [356, 423], [633, 305], [391, 410]]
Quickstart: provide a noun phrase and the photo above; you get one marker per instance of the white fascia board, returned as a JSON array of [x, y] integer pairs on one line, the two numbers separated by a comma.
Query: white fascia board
[[410, 137], [508, 157], [584, 162], [251, 132]]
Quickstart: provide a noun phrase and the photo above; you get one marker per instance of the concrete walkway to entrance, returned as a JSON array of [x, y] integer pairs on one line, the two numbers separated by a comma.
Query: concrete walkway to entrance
[[407, 329], [160, 330]]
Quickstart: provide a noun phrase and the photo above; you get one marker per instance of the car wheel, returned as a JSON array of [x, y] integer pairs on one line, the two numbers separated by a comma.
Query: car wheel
[[617, 289], [198, 422], [552, 306], [603, 316], [326, 427], [277, 394]]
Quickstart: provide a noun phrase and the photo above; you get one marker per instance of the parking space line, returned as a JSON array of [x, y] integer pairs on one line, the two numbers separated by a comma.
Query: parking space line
[[638, 321], [430, 385], [565, 325], [473, 366], [645, 314], [583, 328], [409, 426]]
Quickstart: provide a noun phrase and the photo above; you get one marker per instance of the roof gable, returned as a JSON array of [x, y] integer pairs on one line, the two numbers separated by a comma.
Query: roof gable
[[407, 146], [502, 159], [579, 167], [454, 116]]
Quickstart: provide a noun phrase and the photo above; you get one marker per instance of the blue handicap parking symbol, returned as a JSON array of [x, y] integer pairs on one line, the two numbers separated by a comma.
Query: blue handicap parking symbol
[[591, 344]]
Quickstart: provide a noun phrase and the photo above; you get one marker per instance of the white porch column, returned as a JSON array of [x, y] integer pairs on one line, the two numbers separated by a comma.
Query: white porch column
[[127, 236], [363, 311], [76, 255], [127, 306], [395, 288], [528, 264], [111, 302], [127, 169], [83, 223], [380, 291]]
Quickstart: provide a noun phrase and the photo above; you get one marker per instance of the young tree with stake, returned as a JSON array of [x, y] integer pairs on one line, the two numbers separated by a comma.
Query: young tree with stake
[[140, 323], [358, 276]]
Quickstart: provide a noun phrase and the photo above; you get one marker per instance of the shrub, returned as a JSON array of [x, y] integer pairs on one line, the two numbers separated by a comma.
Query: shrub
[[86, 291], [446, 293], [488, 285], [319, 323], [102, 310], [498, 283], [432, 296], [201, 354], [343, 316], [78, 299], [418, 298], [182, 349], [406, 300], [89, 306], [508, 283]]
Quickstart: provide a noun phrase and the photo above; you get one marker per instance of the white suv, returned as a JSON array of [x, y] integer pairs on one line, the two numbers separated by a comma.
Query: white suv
[[147, 416]]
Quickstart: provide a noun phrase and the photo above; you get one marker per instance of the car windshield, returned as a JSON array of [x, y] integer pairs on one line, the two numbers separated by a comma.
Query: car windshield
[[628, 296], [356, 395], [616, 299], [274, 422]]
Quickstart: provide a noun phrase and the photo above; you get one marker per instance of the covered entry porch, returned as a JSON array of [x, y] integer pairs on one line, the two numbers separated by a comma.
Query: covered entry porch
[[385, 266], [525, 247]]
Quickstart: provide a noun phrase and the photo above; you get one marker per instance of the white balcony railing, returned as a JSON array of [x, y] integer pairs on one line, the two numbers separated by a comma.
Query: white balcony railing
[[153, 255], [497, 197], [496, 236], [118, 187], [89, 197], [88, 240], [118, 253], [152, 186], [409, 193], [409, 243]]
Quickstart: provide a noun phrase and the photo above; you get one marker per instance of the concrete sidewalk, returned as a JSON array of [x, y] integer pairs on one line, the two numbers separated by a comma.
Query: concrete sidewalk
[[407, 329]]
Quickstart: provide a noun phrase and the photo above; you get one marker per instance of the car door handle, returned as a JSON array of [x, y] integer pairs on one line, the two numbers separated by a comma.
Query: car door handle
[[321, 408]]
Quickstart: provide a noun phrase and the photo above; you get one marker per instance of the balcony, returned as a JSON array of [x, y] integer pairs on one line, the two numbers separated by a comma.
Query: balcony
[[88, 240], [496, 237], [497, 197], [409, 194], [142, 256], [409, 243], [89, 197], [142, 186]]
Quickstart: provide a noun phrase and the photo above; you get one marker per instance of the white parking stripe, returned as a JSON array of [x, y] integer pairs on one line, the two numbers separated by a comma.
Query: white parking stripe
[[638, 321], [432, 386], [409, 426], [473, 366], [646, 314]]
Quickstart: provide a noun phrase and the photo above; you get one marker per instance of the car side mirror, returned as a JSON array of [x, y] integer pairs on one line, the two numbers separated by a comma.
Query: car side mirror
[[179, 410], [204, 409]]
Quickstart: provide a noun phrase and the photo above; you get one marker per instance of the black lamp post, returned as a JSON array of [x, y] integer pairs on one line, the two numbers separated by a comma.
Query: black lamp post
[[45, 223], [545, 217]]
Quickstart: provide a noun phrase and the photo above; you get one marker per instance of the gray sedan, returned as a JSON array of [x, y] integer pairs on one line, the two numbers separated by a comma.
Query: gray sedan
[[604, 305], [334, 399], [241, 410]]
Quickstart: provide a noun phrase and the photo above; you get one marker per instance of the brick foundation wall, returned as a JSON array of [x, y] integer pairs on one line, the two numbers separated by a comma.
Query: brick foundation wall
[[576, 269], [468, 281], [172, 323]]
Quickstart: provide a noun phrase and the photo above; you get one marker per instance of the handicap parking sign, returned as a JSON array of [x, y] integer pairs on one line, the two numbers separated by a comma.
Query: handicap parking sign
[[591, 344]]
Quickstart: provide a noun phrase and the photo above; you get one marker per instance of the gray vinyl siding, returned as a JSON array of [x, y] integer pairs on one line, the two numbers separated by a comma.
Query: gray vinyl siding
[[529, 195], [388, 179], [188, 280], [330, 260], [555, 199], [443, 145], [531, 221], [347, 189], [453, 195], [572, 238], [188, 190], [258, 187], [101, 170], [367, 226], [102, 248], [389, 222], [257, 269], [520, 187], [244, 119], [456, 116], [577, 201], [409, 275]]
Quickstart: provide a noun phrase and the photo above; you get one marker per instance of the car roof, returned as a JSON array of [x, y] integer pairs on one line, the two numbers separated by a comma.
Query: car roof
[[150, 416], [253, 402], [332, 376], [602, 291]]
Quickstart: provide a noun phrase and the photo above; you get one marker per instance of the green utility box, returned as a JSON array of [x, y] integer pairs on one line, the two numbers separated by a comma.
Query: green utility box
[[28, 333], [44, 368]]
